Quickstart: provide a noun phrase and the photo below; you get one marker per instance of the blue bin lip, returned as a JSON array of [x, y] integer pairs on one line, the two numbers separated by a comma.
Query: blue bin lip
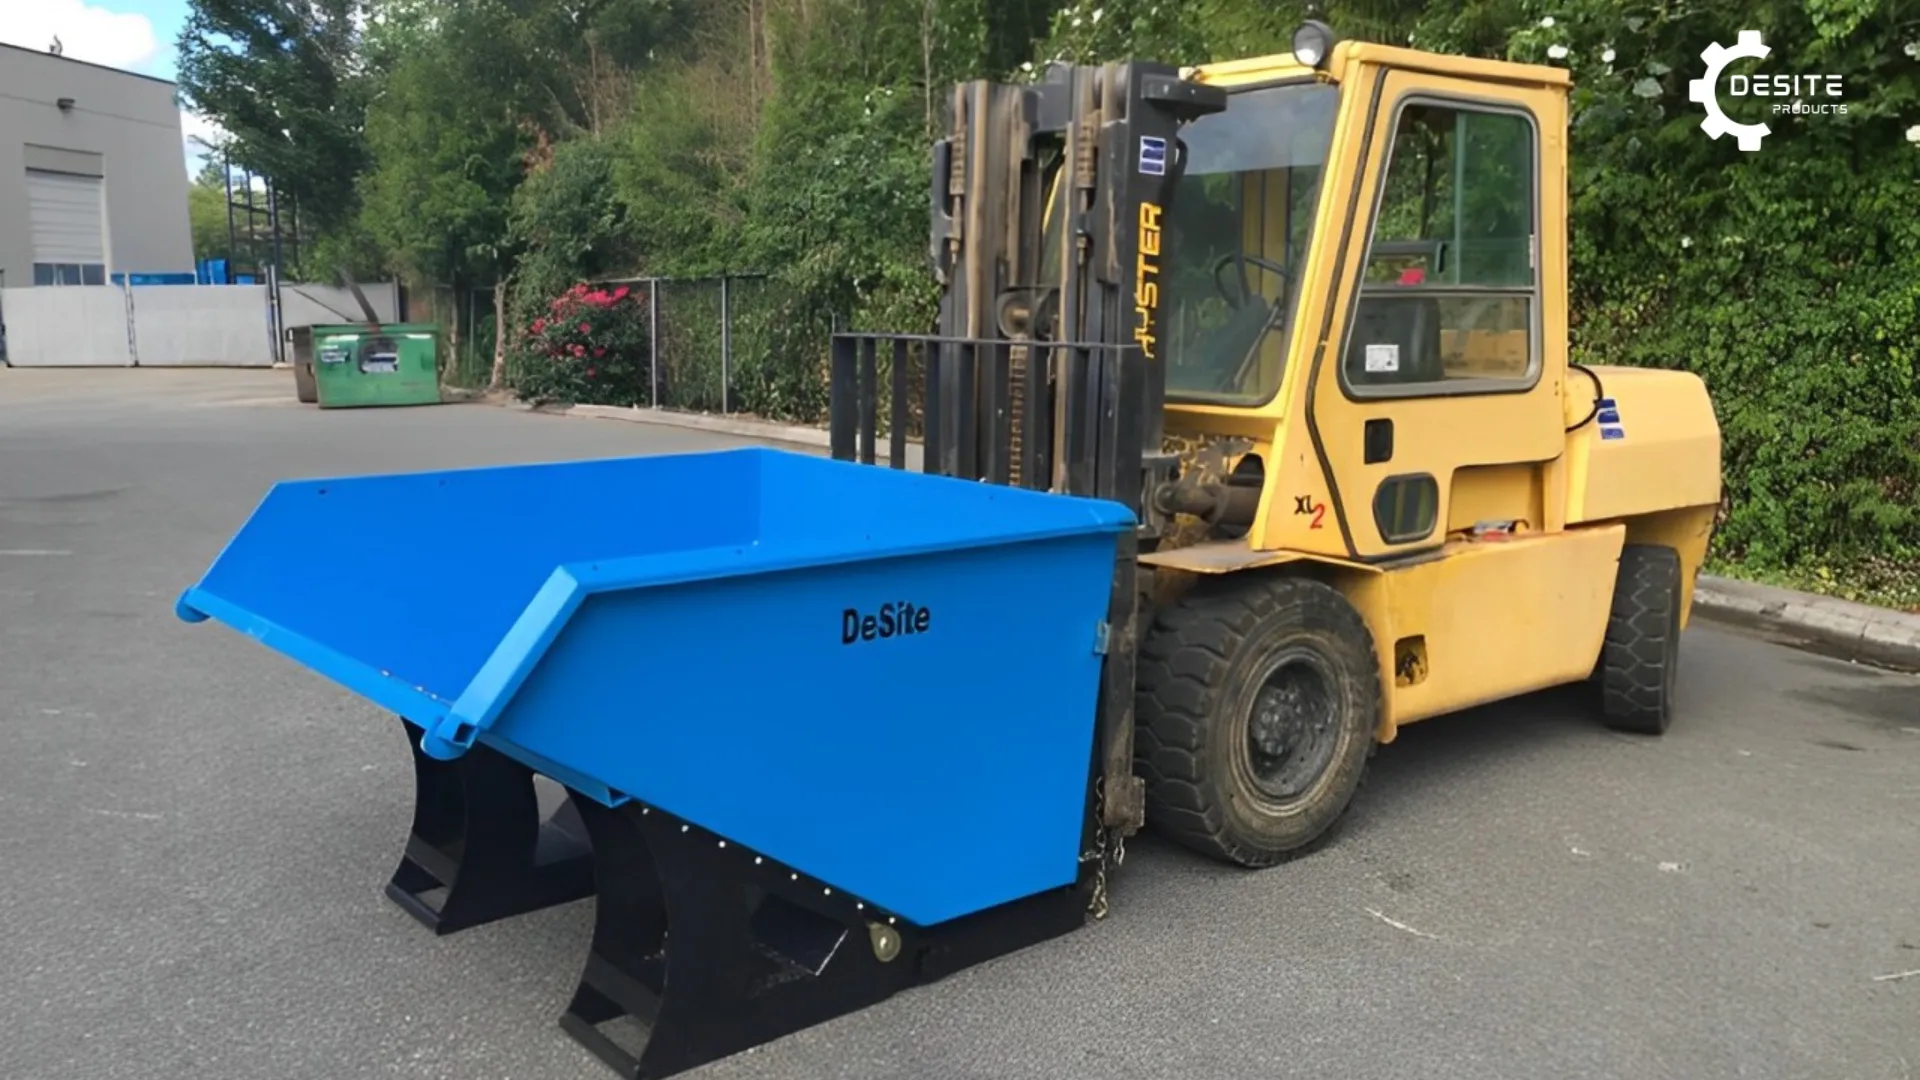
[[452, 731]]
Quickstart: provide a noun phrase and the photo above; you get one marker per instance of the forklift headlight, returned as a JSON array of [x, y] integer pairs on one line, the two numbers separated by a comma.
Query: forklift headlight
[[1312, 43]]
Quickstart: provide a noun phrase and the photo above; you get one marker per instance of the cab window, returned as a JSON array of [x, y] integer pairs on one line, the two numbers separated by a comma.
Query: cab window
[[1238, 230], [1449, 295]]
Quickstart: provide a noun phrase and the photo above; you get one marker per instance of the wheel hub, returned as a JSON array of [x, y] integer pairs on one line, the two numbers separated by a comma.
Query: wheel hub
[[1293, 729]]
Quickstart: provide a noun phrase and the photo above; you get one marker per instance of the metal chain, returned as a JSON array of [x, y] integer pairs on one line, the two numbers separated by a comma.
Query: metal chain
[[1109, 851], [1097, 904]]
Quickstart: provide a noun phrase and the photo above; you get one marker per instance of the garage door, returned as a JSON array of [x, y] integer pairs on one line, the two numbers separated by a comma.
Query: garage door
[[64, 214]]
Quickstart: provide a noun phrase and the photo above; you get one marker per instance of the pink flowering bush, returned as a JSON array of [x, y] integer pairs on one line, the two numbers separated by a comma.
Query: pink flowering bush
[[589, 348]]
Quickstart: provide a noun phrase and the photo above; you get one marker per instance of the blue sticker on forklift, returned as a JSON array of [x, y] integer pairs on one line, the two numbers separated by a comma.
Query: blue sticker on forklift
[[1609, 416], [1613, 433], [1608, 403], [1153, 155]]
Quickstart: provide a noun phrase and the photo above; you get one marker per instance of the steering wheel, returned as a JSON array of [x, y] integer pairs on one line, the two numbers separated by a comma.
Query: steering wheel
[[1242, 260]]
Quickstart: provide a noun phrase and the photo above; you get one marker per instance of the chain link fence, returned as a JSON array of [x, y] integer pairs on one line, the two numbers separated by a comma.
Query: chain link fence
[[740, 345], [465, 318], [736, 345]]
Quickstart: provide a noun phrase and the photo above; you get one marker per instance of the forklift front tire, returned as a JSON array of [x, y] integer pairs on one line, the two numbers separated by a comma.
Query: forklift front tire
[[1256, 712]]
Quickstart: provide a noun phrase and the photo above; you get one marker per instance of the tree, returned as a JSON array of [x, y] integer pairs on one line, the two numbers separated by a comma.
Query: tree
[[447, 152], [282, 77], [447, 157], [207, 213]]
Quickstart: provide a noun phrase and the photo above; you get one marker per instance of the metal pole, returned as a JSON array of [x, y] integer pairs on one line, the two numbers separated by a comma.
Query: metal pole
[[277, 347], [274, 273], [726, 347], [273, 220], [653, 341], [473, 330], [226, 176], [126, 312], [253, 226]]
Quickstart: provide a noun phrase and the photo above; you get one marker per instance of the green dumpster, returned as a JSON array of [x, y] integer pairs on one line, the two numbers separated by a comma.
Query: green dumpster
[[301, 340], [376, 364]]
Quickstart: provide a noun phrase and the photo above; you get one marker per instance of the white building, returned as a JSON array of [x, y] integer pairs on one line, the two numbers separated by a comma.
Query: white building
[[92, 174]]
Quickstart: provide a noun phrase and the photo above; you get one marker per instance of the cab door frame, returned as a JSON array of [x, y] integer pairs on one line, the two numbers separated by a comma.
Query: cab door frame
[[1435, 428]]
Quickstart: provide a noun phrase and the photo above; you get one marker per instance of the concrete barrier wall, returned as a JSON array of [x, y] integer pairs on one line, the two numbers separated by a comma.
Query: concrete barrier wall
[[201, 326], [66, 326], [169, 325]]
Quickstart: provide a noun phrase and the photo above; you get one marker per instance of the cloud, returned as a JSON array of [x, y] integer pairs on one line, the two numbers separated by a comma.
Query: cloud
[[196, 129], [196, 134], [89, 33]]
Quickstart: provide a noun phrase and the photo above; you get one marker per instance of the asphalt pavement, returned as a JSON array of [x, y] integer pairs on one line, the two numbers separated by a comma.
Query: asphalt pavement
[[194, 833]]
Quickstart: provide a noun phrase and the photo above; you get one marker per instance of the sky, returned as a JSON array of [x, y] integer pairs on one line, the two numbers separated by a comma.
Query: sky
[[135, 35]]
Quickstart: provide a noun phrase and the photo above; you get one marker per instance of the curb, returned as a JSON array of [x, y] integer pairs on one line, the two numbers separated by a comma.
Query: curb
[[1838, 628], [764, 430]]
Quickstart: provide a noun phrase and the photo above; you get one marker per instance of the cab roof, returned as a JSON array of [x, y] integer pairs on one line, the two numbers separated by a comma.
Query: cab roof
[[1345, 54]]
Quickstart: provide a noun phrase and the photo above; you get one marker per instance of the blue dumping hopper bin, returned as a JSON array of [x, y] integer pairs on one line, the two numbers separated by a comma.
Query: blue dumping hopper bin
[[884, 680]]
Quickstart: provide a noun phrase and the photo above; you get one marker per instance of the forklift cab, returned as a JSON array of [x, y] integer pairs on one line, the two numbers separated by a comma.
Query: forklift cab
[[1452, 228], [1362, 253], [1446, 281]]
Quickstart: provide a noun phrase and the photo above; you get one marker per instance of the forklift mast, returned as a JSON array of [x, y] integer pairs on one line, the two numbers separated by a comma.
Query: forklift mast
[[1047, 203], [1044, 371]]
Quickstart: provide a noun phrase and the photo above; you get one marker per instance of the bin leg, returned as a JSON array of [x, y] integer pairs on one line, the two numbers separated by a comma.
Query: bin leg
[[756, 950], [478, 836]]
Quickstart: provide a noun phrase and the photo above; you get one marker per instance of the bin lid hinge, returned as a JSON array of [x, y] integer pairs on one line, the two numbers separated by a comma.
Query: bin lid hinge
[[1102, 632]]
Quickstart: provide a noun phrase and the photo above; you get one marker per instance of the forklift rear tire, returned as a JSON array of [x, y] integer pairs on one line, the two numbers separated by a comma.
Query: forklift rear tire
[[1641, 658], [1258, 700]]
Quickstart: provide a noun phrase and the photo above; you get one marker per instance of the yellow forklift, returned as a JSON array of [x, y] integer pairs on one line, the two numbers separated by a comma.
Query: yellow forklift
[[1307, 316]]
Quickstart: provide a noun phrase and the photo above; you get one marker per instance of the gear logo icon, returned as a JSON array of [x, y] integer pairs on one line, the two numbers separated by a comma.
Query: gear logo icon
[[1704, 90]]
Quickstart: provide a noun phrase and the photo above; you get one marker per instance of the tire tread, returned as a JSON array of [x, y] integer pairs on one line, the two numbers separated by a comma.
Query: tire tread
[[1183, 665], [1641, 647]]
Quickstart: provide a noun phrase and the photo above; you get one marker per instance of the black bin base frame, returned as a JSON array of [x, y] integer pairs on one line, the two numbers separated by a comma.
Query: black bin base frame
[[758, 949], [714, 948], [479, 841]]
